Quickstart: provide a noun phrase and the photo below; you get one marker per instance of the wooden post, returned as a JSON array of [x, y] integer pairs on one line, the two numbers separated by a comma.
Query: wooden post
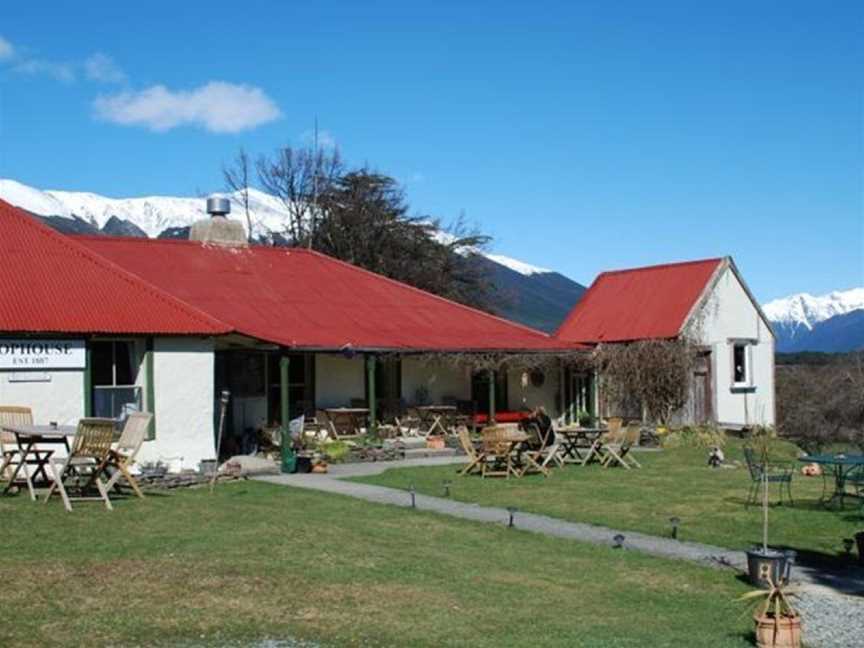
[[150, 385], [562, 392], [88, 381], [373, 401], [288, 458], [491, 397]]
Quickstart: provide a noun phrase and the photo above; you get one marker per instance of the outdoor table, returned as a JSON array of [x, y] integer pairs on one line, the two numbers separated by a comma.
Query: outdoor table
[[28, 437], [575, 439], [350, 420], [843, 465], [434, 417]]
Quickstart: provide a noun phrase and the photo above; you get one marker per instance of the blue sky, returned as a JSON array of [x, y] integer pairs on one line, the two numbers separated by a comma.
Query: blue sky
[[582, 136]]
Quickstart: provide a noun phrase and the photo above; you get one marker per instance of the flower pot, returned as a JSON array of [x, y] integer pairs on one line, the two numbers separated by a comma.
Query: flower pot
[[782, 632], [859, 538], [761, 564], [303, 464], [435, 442]]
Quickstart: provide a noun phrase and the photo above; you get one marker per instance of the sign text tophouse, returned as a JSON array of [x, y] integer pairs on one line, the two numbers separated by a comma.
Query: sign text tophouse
[[28, 355]]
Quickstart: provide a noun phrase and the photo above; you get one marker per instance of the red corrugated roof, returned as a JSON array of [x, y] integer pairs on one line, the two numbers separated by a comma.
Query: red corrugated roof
[[638, 304], [304, 299], [52, 284]]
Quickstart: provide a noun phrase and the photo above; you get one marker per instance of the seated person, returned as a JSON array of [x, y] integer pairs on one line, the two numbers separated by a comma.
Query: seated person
[[539, 426]]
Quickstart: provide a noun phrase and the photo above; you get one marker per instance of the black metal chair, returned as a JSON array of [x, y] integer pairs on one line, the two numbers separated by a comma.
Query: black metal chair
[[780, 475]]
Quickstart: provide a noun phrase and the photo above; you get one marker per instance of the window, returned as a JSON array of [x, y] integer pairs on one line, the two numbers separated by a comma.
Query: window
[[741, 372], [114, 368]]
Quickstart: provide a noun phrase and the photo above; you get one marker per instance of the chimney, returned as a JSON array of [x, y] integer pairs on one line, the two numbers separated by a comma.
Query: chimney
[[218, 229]]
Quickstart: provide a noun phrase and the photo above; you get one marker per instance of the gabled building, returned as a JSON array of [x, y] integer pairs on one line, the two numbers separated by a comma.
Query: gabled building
[[99, 326], [707, 301]]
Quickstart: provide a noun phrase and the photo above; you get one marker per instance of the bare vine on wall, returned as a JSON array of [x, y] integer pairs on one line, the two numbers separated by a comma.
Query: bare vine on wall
[[656, 373]]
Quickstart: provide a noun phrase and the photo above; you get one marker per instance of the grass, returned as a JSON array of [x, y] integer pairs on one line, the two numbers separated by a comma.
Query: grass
[[256, 561], [709, 502]]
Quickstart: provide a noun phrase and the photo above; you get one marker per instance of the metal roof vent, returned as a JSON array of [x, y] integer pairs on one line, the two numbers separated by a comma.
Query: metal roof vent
[[217, 206], [218, 229]]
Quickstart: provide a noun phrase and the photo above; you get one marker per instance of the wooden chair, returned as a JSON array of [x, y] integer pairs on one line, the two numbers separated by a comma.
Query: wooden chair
[[498, 453], [553, 451], [476, 457], [619, 453], [122, 456], [84, 466], [12, 456]]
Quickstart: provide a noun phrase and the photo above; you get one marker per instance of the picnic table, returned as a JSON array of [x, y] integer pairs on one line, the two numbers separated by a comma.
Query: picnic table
[[843, 466], [434, 417], [501, 445], [576, 438], [347, 421], [28, 438]]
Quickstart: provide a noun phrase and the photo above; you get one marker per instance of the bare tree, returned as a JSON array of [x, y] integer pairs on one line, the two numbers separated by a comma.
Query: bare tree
[[297, 177], [654, 373], [237, 181]]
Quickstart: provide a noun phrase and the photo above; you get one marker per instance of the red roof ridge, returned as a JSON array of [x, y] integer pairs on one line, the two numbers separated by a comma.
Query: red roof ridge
[[268, 249], [90, 255], [661, 266]]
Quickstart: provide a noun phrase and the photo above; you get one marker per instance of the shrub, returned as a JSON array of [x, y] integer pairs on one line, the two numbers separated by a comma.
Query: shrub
[[336, 451], [704, 436]]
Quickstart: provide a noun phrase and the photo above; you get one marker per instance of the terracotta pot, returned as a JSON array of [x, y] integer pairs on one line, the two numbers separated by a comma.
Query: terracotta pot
[[435, 442], [784, 632]]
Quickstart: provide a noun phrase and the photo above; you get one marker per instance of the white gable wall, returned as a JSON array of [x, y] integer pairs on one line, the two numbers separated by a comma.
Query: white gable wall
[[729, 315], [183, 370]]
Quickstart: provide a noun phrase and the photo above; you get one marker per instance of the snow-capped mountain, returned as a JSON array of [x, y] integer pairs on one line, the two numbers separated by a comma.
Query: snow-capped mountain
[[152, 214], [528, 294], [804, 322]]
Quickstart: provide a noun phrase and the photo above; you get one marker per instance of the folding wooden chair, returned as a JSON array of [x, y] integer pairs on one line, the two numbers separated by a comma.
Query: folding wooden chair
[[13, 458], [122, 456], [553, 452], [532, 458], [619, 453], [497, 453], [84, 466], [475, 457]]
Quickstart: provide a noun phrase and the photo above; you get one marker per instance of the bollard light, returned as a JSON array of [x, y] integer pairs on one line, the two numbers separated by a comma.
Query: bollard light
[[446, 483], [618, 541], [674, 521], [512, 511], [413, 492]]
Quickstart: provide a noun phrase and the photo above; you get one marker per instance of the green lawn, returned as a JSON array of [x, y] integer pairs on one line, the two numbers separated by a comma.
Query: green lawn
[[709, 502], [258, 561]]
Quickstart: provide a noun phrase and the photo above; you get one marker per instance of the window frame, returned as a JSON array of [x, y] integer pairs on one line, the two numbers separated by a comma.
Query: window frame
[[747, 345]]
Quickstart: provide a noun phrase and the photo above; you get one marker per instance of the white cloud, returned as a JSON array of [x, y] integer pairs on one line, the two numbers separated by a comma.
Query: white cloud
[[218, 107], [6, 49], [101, 67], [64, 72]]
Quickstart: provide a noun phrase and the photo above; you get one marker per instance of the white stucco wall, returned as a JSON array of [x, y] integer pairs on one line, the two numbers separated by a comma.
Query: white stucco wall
[[339, 379], [441, 380], [184, 393], [529, 396], [729, 314], [56, 395]]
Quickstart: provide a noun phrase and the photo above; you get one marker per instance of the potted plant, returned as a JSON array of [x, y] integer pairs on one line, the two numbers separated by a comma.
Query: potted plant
[[584, 419], [766, 565], [778, 624]]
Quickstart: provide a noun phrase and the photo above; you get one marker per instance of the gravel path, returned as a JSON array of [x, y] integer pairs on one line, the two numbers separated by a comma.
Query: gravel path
[[832, 606]]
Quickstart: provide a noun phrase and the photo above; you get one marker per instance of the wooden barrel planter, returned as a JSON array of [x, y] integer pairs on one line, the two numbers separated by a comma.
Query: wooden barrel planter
[[781, 632]]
